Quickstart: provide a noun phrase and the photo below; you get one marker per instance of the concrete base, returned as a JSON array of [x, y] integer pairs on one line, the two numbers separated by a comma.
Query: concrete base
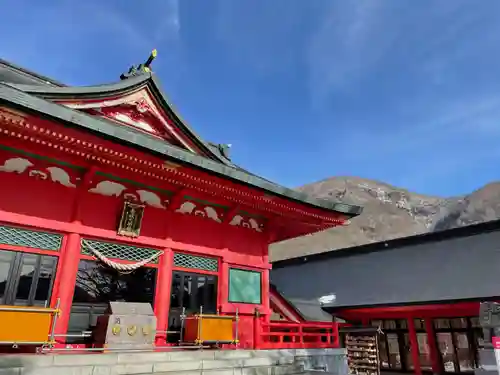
[[224, 362]]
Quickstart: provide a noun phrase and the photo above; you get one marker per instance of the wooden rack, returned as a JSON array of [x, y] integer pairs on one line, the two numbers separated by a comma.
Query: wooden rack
[[362, 353]]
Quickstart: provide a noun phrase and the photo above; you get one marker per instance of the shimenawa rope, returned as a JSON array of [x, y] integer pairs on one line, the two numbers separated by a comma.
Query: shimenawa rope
[[122, 268]]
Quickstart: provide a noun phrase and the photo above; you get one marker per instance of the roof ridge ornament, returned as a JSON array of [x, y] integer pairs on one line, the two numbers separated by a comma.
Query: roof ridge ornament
[[224, 149], [140, 69]]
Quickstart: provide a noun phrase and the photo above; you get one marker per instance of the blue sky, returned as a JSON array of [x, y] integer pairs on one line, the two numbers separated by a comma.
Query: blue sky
[[402, 91]]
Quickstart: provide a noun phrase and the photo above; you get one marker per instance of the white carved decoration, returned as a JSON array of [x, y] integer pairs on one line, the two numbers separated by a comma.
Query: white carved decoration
[[16, 165], [108, 188], [61, 176], [38, 174], [186, 208], [138, 96], [114, 189], [251, 223], [150, 198], [254, 225], [20, 165], [236, 220], [191, 209], [200, 213], [212, 214]]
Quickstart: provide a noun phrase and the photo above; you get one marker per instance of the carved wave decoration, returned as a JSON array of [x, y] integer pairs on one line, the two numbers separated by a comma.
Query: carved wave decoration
[[115, 189], [249, 223], [16, 165], [22, 165], [191, 208]]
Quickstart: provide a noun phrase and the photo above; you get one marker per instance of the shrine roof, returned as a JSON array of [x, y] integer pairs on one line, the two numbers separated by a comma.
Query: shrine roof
[[12, 73], [148, 80], [37, 98]]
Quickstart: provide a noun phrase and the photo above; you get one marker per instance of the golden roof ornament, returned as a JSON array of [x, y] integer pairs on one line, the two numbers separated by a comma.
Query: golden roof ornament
[[140, 69]]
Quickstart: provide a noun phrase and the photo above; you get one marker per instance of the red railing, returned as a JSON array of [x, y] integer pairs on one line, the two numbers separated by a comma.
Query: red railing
[[291, 335]]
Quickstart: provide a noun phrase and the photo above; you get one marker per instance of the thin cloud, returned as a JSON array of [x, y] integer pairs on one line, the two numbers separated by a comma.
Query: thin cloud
[[72, 34], [349, 40]]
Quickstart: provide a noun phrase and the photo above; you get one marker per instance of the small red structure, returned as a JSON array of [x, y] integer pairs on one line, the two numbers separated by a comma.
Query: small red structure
[[108, 195]]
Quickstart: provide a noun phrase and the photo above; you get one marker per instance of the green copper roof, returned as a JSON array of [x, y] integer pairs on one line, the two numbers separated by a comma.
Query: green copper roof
[[16, 97]]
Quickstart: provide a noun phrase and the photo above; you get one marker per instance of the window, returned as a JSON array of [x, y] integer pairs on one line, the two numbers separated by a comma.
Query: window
[[390, 324], [384, 359], [447, 350], [192, 291], [424, 351], [245, 286], [458, 341], [442, 323], [6, 265], [35, 279], [394, 351], [459, 323], [26, 279], [97, 284]]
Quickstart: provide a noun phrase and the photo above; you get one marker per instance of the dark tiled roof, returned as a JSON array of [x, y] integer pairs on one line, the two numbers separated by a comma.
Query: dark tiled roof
[[464, 231], [14, 74]]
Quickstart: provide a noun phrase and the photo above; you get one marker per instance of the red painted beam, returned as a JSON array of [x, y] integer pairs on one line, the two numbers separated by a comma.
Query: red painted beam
[[421, 311]]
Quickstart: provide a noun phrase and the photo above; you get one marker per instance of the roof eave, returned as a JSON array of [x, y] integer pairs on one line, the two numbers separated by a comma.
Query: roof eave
[[18, 98], [31, 75]]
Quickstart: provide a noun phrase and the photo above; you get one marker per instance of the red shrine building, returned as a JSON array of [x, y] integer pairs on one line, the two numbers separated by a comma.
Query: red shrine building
[[108, 195]]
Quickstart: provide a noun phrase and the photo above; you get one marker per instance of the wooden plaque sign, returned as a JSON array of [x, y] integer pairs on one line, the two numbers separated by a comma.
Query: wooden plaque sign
[[362, 353], [131, 220]]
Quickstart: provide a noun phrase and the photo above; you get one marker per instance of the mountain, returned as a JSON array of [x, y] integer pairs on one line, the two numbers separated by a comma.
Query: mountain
[[389, 212]]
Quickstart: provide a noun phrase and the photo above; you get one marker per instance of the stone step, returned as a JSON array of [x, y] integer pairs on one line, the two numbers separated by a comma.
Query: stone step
[[234, 362], [244, 358], [139, 370]]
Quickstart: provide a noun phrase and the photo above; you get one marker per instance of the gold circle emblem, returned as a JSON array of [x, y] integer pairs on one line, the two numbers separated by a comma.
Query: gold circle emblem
[[132, 330], [116, 330]]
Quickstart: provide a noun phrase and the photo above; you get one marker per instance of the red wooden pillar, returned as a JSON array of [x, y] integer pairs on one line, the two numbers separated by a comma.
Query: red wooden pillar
[[336, 338], [433, 348], [162, 295], [414, 347], [67, 268], [265, 291], [223, 287], [257, 331]]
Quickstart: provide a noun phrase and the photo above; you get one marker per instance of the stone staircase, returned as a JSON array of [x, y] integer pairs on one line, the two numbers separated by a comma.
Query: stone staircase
[[228, 362]]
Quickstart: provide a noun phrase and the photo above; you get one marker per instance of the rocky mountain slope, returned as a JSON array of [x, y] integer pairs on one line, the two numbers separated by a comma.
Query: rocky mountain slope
[[389, 212]]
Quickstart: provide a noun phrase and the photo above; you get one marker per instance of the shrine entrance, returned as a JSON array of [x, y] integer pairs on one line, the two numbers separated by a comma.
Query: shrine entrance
[[191, 292]]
